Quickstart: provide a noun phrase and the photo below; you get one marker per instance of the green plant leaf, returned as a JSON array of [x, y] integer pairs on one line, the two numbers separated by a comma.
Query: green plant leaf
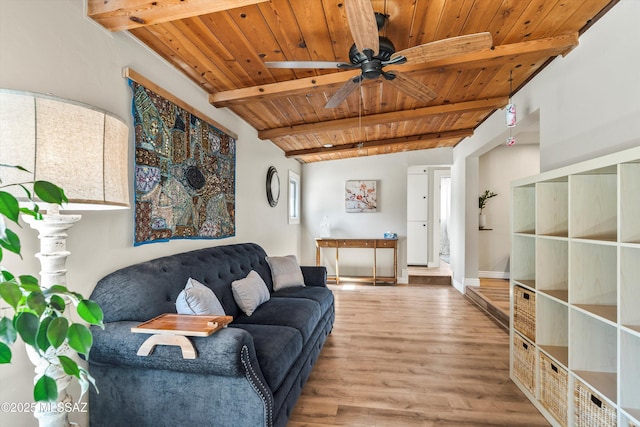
[[27, 326], [27, 279], [56, 289], [70, 367], [29, 287], [57, 331], [37, 302], [80, 338], [4, 165], [85, 380], [7, 276], [90, 312], [10, 242], [8, 333], [5, 353], [49, 192], [34, 211], [29, 283], [41, 339], [57, 302], [11, 293], [45, 390], [9, 206]]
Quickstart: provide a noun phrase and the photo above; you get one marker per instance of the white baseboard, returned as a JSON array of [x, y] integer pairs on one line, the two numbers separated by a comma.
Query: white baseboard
[[493, 274], [404, 279], [471, 282], [459, 286], [467, 282]]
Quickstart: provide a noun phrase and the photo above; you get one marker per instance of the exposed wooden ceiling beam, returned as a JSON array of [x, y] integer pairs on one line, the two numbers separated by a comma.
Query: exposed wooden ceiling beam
[[433, 139], [117, 15], [262, 92], [377, 119], [550, 46]]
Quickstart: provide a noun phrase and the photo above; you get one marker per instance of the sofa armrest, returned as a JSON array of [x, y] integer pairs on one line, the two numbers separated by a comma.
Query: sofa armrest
[[218, 354], [314, 275]]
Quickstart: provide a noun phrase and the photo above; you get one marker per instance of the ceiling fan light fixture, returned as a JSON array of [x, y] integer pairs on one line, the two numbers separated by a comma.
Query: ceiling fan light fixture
[[371, 52], [385, 50]]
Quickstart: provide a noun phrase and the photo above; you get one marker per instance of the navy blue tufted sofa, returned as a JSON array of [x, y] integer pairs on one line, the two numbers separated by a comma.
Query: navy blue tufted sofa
[[248, 374]]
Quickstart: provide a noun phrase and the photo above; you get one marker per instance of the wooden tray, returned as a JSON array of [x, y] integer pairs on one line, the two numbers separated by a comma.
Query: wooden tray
[[183, 324], [173, 329]]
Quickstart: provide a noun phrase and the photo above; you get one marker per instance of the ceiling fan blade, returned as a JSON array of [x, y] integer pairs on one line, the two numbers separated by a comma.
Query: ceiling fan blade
[[447, 47], [410, 86], [344, 91], [362, 23], [305, 64]]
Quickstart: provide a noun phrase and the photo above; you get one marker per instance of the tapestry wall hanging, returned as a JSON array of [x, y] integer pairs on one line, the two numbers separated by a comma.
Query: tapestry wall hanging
[[360, 196], [185, 172]]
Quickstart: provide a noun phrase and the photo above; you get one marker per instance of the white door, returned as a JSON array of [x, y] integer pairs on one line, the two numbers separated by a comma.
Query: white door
[[417, 243], [417, 197]]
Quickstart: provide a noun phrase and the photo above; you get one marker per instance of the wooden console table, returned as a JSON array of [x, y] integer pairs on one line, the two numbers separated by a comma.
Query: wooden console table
[[374, 244]]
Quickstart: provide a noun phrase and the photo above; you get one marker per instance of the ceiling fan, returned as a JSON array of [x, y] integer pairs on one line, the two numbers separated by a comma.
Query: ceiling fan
[[371, 53]]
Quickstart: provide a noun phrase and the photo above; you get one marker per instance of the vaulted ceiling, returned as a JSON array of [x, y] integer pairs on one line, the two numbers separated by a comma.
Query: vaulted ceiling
[[223, 46]]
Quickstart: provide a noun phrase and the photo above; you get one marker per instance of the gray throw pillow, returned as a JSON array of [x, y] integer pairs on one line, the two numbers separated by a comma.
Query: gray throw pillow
[[250, 292], [285, 272], [196, 298]]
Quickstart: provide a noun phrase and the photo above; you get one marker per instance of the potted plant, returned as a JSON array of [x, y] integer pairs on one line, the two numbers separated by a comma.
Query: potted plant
[[482, 203], [38, 316]]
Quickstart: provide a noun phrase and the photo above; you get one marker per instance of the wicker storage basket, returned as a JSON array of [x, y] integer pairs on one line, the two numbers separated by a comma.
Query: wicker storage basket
[[524, 312], [524, 362], [554, 387], [591, 409]]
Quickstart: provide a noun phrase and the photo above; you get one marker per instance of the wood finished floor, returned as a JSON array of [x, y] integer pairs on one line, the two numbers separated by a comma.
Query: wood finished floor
[[496, 291], [412, 356], [492, 296]]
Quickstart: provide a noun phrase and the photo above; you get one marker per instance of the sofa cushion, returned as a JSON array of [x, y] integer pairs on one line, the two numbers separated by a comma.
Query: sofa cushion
[[277, 349], [321, 295], [285, 272], [299, 313], [196, 298], [250, 292]]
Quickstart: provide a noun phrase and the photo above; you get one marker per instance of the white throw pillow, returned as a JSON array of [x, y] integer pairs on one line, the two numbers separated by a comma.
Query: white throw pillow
[[250, 292], [285, 272], [196, 298]]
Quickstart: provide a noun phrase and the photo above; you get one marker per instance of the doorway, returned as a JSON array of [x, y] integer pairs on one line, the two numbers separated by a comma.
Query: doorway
[[441, 216]]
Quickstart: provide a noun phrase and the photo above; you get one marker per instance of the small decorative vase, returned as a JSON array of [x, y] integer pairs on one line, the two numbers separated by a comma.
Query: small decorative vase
[[482, 220]]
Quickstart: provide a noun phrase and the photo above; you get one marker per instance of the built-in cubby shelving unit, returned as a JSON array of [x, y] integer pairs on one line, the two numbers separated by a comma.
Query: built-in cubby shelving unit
[[575, 278]]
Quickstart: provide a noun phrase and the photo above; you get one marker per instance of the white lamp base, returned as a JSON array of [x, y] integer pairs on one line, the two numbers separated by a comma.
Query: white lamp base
[[53, 246], [53, 258]]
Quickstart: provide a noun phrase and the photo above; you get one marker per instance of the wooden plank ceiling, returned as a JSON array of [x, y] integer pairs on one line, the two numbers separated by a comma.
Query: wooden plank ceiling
[[222, 47]]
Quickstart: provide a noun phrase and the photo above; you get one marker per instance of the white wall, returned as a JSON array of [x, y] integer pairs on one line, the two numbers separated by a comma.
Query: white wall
[[497, 169], [50, 47], [323, 186], [588, 106]]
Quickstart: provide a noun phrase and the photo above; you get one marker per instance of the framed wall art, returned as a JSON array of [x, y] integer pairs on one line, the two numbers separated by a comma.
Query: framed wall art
[[360, 196]]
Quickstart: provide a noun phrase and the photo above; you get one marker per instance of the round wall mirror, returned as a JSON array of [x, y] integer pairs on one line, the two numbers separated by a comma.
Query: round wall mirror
[[273, 186]]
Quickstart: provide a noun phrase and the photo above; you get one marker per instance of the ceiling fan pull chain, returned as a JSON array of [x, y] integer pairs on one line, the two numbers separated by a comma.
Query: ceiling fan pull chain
[[360, 101]]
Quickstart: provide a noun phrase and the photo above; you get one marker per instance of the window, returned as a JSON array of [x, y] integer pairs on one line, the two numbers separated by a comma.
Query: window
[[294, 198]]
